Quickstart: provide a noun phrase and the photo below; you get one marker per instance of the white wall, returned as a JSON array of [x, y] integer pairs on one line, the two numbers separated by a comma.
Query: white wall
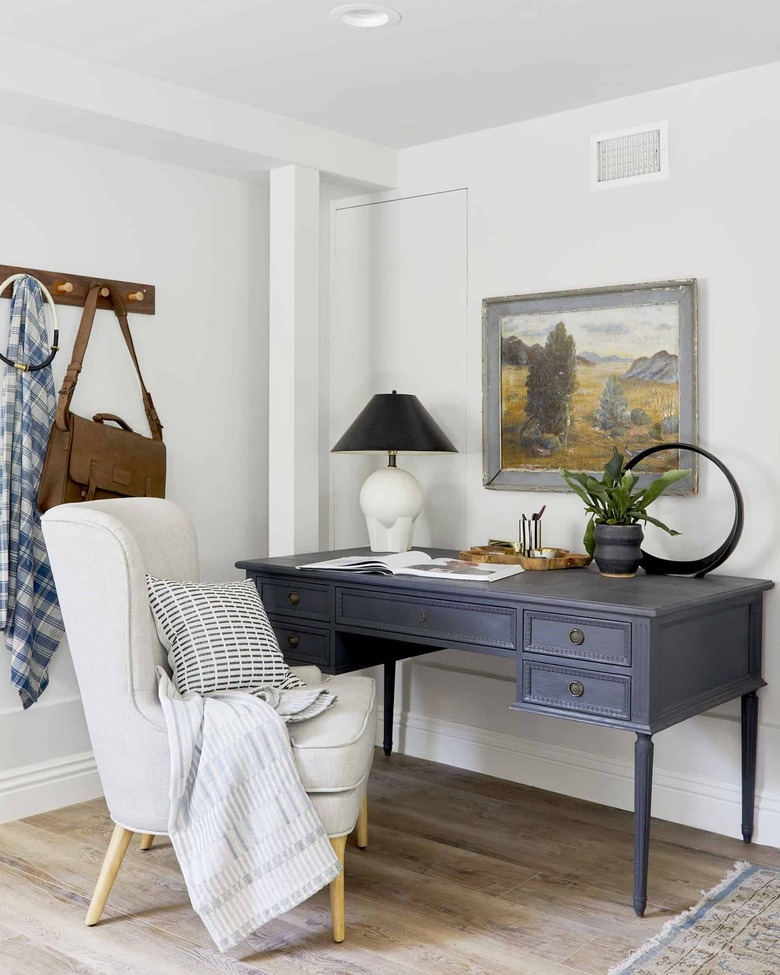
[[202, 241], [533, 226], [399, 307]]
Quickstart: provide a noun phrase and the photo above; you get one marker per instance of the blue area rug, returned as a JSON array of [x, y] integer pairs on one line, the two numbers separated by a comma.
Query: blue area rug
[[733, 930]]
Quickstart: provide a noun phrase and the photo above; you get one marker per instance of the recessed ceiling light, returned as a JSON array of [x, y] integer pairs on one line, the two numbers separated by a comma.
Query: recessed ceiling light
[[365, 15]]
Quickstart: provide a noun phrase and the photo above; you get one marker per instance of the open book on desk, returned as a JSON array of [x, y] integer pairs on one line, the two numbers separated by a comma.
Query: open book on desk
[[417, 564]]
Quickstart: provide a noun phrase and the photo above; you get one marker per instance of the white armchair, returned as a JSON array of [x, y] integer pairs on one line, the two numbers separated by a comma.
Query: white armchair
[[100, 552]]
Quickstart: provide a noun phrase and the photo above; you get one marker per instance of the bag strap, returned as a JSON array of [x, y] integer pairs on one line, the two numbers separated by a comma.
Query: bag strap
[[77, 360]]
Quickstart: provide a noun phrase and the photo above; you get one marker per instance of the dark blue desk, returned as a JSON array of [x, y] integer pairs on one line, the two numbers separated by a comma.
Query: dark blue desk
[[637, 654]]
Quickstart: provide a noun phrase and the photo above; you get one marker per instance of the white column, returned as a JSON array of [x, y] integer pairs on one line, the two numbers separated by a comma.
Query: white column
[[293, 446]]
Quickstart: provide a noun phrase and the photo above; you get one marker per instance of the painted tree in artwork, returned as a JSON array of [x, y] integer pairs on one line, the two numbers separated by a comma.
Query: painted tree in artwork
[[551, 382], [613, 411]]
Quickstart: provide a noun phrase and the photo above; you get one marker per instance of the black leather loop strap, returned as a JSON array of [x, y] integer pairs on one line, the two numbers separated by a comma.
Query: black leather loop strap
[[698, 568], [55, 345]]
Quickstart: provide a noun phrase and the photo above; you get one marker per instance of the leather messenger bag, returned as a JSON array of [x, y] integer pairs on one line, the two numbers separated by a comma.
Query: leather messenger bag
[[89, 460]]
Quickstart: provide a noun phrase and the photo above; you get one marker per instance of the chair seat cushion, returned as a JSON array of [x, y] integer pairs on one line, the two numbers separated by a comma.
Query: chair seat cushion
[[333, 752]]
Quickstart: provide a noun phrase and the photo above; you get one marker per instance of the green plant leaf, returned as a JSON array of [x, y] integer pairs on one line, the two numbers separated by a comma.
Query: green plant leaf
[[589, 539], [658, 524], [633, 515], [597, 489], [660, 484], [579, 476], [613, 467], [572, 481], [623, 492], [580, 484]]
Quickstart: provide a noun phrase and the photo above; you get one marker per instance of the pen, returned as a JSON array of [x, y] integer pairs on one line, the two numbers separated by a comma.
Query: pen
[[538, 516]]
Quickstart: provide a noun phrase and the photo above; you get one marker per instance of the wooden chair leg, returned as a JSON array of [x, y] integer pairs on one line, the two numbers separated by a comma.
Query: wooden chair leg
[[362, 825], [146, 841], [120, 840], [339, 844]]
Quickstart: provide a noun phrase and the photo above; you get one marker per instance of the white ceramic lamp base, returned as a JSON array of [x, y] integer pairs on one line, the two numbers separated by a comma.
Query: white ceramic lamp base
[[391, 500]]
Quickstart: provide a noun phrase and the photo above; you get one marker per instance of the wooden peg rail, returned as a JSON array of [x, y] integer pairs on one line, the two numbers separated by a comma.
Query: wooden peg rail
[[72, 289]]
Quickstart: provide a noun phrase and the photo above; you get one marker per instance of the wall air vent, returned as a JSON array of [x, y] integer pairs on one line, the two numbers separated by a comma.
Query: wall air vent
[[630, 156]]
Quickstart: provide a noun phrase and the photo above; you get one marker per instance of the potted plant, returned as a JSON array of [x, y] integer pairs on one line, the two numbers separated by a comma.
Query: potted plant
[[614, 534]]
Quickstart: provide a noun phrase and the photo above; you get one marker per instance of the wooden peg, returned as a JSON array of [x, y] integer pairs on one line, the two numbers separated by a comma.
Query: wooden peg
[[104, 292], [135, 296], [65, 289]]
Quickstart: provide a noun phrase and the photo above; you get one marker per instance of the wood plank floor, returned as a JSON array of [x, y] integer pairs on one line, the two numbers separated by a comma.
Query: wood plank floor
[[464, 875]]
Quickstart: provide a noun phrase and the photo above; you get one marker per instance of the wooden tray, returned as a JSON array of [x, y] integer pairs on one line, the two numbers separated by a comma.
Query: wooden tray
[[488, 553], [491, 553], [566, 560]]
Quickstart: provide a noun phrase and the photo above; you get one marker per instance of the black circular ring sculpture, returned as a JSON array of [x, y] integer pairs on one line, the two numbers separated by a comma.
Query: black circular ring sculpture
[[695, 567]]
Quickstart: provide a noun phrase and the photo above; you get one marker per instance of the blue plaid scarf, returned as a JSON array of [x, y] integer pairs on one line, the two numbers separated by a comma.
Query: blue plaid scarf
[[29, 611]]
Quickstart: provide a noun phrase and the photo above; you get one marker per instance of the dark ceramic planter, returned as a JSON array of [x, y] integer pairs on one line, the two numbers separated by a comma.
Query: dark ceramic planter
[[618, 550]]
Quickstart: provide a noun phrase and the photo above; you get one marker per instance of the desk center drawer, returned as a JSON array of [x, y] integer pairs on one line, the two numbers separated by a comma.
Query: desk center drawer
[[437, 619]]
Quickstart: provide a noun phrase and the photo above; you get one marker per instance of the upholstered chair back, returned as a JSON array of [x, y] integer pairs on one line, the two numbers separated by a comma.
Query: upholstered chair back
[[100, 552]]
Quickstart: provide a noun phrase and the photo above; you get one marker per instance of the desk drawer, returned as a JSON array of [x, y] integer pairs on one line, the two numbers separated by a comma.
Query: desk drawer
[[302, 643], [436, 619], [305, 599], [603, 641], [548, 685]]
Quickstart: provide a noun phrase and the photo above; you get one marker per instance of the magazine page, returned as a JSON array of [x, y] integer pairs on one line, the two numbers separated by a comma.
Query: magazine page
[[381, 564], [457, 569]]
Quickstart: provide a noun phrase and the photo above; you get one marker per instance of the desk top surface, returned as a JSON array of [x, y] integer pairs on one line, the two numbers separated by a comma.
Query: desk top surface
[[644, 595]]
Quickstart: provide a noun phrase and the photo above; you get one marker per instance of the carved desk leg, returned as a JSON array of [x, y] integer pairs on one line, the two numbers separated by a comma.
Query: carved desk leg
[[387, 743], [643, 795], [749, 744]]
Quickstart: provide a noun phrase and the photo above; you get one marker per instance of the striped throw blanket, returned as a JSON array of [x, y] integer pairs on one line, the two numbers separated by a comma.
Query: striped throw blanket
[[248, 840], [29, 611]]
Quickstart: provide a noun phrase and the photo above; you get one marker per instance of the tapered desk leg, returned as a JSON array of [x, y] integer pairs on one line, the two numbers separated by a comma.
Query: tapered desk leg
[[387, 744], [643, 796], [749, 744]]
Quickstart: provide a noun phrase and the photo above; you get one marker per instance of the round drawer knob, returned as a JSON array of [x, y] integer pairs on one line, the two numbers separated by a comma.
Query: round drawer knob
[[422, 617], [577, 637], [576, 689], [293, 598], [292, 641]]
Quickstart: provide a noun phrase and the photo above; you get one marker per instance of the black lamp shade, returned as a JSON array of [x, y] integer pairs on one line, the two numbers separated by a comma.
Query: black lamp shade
[[394, 422]]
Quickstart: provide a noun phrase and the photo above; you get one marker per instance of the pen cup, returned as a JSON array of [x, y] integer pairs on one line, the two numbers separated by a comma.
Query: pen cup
[[530, 535]]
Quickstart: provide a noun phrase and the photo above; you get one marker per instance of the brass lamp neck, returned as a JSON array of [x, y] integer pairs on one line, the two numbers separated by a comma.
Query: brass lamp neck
[[391, 456]]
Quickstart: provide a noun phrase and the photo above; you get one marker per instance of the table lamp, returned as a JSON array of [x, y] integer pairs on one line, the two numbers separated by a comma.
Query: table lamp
[[391, 498]]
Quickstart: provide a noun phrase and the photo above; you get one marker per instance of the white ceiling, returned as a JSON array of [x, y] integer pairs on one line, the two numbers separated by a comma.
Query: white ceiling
[[451, 66]]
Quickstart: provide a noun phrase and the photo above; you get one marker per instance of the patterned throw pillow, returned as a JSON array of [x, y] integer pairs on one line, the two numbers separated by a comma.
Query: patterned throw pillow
[[218, 637]]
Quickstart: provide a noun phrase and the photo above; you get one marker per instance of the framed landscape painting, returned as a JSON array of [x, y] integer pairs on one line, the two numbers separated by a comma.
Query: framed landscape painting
[[569, 375]]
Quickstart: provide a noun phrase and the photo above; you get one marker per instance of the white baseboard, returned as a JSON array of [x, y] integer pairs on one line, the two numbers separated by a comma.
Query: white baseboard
[[38, 788], [691, 800]]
